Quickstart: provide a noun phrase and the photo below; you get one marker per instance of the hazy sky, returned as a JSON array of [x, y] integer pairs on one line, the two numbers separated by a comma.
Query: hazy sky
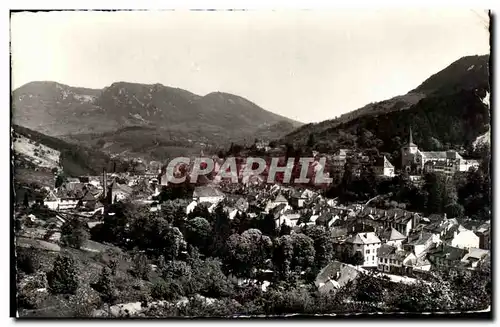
[[306, 65]]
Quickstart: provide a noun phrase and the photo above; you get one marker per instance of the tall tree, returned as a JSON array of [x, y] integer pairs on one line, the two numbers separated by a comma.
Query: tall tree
[[323, 244], [62, 279], [248, 252]]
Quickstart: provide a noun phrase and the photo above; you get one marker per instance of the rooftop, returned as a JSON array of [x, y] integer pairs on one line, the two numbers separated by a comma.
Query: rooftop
[[207, 191], [364, 238]]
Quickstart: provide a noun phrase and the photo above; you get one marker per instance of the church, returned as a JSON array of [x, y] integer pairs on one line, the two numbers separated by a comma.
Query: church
[[418, 162]]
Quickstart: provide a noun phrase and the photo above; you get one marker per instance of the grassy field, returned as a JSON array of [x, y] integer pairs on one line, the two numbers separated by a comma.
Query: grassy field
[[28, 176]]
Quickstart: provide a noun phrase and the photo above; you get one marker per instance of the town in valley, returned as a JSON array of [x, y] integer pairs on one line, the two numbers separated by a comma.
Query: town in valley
[[403, 224]]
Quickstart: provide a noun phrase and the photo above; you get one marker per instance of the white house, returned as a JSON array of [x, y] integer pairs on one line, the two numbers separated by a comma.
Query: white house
[[384, 168], [464, 239], [288, 219], [208, 194], [367, 244], [190, 207], [51, 201]]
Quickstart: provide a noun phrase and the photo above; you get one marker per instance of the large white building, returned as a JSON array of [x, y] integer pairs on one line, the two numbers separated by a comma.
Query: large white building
[[208, 193], [367, 244]]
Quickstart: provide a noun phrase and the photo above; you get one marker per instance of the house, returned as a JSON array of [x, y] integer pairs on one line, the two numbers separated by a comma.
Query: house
[[339, 160], [338, 234], [119, 192], [420, 243], [241, 204], [392, 237], [394, 260], [72, 180], [279, 200], [383, 167], [474, 257], [401, 220], [299, 198], [483, 232], [288, 219], [367, 244], [51, 200], [334, 276], [440, 226], [190, 207], [460, 237], [421, 265], [69, 195], [88, 200], [231, 212], [445, 256], [208, 193]]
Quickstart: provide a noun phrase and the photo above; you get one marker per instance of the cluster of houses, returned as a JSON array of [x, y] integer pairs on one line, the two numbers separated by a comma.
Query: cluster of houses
[[87, 193], [395, 242]]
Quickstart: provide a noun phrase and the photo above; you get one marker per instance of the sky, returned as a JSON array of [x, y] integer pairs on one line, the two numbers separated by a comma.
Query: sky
[[305, 65]]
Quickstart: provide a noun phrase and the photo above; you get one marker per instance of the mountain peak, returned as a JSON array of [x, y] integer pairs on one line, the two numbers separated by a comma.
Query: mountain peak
[[469, 72]]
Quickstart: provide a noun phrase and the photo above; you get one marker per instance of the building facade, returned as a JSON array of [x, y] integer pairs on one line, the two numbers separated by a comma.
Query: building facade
[[418, 162], [367, 244]]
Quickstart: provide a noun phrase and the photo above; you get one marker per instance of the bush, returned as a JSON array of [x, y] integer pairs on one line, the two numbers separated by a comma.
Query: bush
[[166, 290], [74, 233], [141, 267], [106, 287], [27, 261], [29, 296], [62, 278]]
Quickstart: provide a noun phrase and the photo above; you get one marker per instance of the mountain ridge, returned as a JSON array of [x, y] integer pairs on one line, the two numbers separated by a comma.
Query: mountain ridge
[[445, 111], [177, 115]]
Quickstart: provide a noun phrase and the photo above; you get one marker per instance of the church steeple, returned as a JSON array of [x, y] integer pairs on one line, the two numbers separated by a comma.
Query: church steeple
[[411, 144]]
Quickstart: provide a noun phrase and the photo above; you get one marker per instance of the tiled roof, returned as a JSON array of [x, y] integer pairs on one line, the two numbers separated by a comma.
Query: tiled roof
[[364, 238], [475, 254], [448, 252], [207, 191], [421, 239], [391, 234], [385, 250], [345, 272], [280, 198]]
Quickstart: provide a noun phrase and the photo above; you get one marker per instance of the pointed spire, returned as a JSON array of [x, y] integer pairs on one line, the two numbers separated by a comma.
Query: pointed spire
[[411, 136]]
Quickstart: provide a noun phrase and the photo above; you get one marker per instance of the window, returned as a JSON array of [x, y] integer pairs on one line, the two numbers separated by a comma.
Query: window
[[373, 258], [367, 251]]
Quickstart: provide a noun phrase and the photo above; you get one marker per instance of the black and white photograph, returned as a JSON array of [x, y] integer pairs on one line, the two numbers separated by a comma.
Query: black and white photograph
[[240, 164]]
